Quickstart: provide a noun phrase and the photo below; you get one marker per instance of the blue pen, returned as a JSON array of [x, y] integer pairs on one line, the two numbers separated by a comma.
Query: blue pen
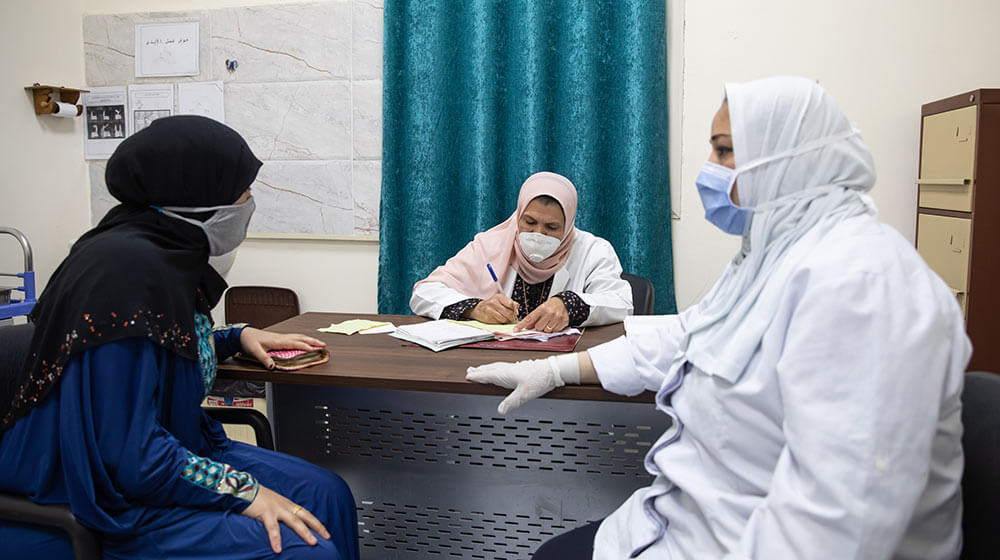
[[494, 275]]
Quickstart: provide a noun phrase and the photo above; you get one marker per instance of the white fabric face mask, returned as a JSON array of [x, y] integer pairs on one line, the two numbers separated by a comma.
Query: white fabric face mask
[[225, 229], [537, 246], [223, 263]]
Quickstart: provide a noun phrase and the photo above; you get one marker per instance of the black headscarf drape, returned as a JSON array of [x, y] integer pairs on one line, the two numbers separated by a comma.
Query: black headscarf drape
[[138, 273]]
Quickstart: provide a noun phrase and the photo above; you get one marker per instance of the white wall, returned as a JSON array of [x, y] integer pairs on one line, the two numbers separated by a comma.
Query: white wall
[[881, 60], [42, 174]]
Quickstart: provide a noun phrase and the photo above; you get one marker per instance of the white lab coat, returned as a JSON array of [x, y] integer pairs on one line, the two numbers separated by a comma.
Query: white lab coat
[[840, 439], [592, 271]]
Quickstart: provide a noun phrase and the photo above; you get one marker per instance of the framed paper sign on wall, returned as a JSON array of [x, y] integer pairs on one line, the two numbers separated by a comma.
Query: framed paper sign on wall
[[166, 49]]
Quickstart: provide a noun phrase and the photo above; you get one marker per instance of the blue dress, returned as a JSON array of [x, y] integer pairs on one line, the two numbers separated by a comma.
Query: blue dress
[[123, 440]]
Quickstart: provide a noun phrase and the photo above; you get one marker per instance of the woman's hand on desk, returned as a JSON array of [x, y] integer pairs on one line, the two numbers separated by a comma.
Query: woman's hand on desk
[[256, 343], [550, 316], [270, 508], [498, 309]]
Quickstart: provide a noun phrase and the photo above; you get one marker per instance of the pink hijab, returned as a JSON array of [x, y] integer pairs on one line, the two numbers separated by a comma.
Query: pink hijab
[[498, 246]]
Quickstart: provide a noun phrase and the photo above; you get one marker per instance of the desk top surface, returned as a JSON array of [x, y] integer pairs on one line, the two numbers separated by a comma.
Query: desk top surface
[[380, 361]]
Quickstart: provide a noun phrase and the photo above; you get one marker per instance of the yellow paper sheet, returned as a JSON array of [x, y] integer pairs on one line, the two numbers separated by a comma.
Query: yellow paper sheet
[[509, 328], [352, 326]]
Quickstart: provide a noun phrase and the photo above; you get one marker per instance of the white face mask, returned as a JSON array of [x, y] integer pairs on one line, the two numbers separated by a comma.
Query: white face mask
[[223, 263], [225, 229], [537, 246]]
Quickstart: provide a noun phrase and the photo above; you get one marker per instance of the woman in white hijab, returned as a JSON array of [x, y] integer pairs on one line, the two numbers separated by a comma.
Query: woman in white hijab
[[814, 392]]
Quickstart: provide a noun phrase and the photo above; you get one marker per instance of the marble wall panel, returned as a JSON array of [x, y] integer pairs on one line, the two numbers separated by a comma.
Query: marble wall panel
[[284, 43], [109, 47], [301, 120], [366, 52], [367, 113], [307, 96], [310, 197], [100, 199], [367, 188]]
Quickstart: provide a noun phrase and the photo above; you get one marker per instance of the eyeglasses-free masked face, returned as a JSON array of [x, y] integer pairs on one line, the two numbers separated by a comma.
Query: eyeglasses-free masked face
[[722, 145], [543, 215]]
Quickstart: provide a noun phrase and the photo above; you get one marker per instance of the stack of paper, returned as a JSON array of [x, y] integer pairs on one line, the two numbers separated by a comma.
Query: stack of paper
[[439, 335], [536, 335], [490, 327]]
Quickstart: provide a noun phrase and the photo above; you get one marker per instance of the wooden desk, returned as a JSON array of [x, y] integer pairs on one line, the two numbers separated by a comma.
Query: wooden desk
[[436, 472], [409, 368]]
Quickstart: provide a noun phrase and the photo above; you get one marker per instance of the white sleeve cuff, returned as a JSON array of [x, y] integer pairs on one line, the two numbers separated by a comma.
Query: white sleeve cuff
[[615, 368], [429, 299], [567, 367]]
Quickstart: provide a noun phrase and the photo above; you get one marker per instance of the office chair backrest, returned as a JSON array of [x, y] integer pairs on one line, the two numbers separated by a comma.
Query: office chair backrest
[[642, 294], [14, 341], [981, 480], [261, 306]]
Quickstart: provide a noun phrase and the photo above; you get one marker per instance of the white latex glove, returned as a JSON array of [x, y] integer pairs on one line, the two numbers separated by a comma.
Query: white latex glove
[[529, 379]]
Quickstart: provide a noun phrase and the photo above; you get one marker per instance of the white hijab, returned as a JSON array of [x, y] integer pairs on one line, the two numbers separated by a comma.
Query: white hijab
[[802, 168]]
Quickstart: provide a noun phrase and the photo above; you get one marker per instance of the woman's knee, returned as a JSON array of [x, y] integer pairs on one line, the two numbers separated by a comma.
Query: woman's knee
[[337, 490], [322, 550]]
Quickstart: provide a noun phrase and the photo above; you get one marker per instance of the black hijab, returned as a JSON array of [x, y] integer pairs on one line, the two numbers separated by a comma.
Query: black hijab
[[138, 273]]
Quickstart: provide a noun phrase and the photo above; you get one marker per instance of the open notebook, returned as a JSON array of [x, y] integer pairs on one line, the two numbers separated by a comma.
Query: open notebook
[[441, 334]]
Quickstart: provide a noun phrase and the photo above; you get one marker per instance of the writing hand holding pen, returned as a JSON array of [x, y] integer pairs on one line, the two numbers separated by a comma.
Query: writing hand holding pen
[[498, 309]]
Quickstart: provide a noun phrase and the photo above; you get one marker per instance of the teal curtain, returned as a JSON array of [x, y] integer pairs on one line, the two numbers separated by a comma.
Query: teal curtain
[[480, 94]]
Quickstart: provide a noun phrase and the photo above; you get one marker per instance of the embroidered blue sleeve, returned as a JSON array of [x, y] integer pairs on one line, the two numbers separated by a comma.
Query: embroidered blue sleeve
[[220, 478], [227, 339]]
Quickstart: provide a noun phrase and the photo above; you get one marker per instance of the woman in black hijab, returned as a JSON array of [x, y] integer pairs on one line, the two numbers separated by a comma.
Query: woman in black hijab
[[106, 416]]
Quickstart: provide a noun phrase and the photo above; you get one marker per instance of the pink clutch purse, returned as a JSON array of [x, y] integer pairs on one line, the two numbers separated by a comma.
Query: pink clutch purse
[[290, 360]]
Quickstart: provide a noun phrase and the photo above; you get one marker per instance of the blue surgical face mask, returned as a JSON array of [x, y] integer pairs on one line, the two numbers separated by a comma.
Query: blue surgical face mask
[[225, 229], [714, 183]]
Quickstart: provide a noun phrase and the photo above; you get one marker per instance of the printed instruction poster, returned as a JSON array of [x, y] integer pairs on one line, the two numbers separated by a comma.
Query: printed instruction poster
[[166, 49], [104, 111], [148, 102]]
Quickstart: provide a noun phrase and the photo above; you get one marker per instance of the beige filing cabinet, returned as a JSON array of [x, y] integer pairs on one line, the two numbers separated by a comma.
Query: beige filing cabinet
[[958, 210]]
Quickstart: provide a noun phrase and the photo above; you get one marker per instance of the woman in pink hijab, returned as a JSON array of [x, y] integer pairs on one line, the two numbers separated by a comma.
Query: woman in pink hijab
[[550, 275]]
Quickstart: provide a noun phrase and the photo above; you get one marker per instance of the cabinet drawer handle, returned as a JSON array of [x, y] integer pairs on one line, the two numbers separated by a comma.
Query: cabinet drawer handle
[[948, 182]]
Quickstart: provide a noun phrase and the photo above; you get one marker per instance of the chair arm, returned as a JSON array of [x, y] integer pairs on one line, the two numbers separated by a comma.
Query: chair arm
[[247, 416], [86, 544]]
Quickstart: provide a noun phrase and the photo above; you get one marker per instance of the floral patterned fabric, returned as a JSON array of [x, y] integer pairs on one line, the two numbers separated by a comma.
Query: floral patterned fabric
[[220, 478]]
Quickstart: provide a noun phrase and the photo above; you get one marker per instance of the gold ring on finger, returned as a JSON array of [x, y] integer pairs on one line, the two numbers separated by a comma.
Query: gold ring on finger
[[296, 510]]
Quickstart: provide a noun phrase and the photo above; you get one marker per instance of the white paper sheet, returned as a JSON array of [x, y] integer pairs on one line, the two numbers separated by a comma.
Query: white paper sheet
[[536, 335], [148, 102], [166, 49], [384, 329], [105, 112], [201, 98]]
